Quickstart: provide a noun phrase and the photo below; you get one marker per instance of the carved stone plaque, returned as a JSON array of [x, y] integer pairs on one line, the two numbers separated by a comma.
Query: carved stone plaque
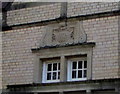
[[61, 34]]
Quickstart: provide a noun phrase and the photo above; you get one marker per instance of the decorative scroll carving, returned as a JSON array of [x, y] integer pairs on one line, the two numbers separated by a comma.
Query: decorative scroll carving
[[59, 34]]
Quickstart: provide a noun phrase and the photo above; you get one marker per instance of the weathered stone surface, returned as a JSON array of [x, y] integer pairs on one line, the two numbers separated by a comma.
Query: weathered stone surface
[[0, 61], [46, 12], [62, 34]]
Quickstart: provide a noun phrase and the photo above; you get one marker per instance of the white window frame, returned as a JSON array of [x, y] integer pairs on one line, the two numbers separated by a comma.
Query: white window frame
[[69, 70], [44, 72]]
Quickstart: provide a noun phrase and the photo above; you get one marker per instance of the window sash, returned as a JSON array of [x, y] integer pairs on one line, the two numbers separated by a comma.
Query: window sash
[[45, 73], [70, 70]]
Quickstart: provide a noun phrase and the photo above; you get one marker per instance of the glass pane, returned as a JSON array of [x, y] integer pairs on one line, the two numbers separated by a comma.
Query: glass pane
[[54, 66], [85, 64], [48, 76], [80, 74], [58, 66], [58, 75], [74, 65], [73, 74], [85, 73], [54, 75], [80, 65], [49, 67]]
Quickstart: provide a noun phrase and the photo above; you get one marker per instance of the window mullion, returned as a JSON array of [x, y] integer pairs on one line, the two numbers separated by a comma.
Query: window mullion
[[77, 70], [82, 69], [45, 70], [57, 71], [52, 72]]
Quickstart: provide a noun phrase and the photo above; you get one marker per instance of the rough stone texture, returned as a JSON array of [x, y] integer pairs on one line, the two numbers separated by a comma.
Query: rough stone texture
[[104, 31], [33, 14], [119, 43], [52, 11], [84, 8], [0, 51], [17, 56], [0, 60], [18, 59]]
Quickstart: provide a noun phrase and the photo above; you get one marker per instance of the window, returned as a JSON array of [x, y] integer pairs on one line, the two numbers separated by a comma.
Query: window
[[51, 72], [63, 64], [77, 70]]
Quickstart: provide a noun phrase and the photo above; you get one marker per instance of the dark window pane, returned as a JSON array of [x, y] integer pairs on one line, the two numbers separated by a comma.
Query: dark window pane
[[80, 65], [49, 67], [55, 66], [73, 74], [48, 76], [74, 65], [85, 73], [85, 64], [58, 66], [80, 74], [58, 75], [54, 75]]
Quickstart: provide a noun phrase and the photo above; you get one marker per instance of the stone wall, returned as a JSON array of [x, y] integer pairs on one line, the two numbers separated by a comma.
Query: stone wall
[[17, 56], [46, 12], [18, 59], [33, 14], [83, 8], [104, 32], [0, 61], [0, 52]]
